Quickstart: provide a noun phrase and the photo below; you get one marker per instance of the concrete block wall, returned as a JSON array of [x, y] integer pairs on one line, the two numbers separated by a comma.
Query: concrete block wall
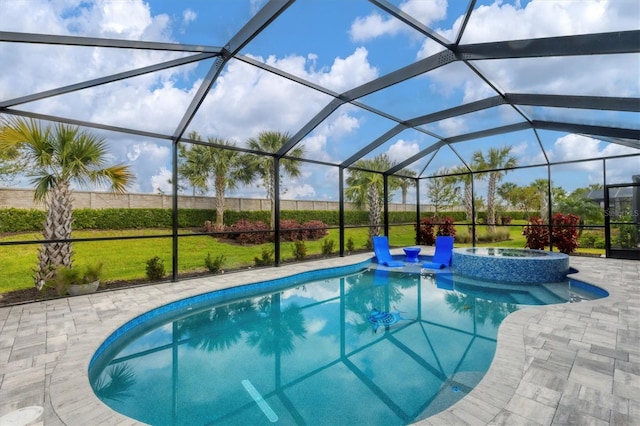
[[23, 199]]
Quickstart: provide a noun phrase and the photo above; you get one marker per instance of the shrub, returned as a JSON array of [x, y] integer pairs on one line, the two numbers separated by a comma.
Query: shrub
[[587, 240], [369, 244], [425, 233], [626, 236], [215, 264], [247, 232], [299, 250], [446, 227], [564, 232], [463, 236], [315, 229], [536, 233], [289, 231], [505, 220], [600, 243], [266, 259], [155, 268], [494, 236], [327, 247], [351, 246]]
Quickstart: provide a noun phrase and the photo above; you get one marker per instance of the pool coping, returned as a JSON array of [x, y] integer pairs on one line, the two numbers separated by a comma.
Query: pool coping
[[550, 361]]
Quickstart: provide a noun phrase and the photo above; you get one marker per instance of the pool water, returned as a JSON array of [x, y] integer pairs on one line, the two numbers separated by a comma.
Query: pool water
[[375, 347]]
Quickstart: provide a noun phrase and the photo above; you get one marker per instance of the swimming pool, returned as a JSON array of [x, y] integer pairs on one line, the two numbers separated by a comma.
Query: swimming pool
[[311, 352]]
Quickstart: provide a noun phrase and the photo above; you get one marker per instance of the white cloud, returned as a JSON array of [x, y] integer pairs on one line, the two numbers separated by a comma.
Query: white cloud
[[401, 150], [160, 181], [504, 21], [376, 25], [246, 100], [349, 72], [150, 162], [189, 16], [571, 147], [294, 191], [574, 146], [453, 126]]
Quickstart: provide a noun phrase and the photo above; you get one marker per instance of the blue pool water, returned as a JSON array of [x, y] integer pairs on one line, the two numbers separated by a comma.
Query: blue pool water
[[372, 347]]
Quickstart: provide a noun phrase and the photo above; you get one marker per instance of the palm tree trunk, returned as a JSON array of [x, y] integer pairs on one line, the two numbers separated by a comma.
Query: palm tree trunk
[[491, 202], [544, 212], [374, 210], [220, 187], [57, 226], [468, 205]]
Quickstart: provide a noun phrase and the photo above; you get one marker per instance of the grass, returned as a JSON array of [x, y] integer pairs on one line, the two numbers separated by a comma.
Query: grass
[[125, 260]]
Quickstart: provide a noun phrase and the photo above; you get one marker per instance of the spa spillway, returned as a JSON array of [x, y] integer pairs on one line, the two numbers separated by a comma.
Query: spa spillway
[[511, 265]]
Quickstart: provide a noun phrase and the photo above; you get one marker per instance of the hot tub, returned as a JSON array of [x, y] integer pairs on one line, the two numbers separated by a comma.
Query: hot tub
[[511, 265]]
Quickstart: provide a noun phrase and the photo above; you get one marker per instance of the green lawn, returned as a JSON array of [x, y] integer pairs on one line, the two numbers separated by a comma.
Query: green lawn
[[126, 259]]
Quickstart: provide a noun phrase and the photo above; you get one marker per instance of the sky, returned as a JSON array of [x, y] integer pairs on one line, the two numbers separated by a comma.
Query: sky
[[335, 43]]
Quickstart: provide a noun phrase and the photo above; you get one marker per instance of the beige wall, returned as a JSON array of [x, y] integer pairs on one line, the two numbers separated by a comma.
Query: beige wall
[[23, 199]]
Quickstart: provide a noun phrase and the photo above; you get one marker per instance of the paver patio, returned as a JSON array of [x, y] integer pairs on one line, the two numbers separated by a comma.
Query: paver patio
[[568, 364]]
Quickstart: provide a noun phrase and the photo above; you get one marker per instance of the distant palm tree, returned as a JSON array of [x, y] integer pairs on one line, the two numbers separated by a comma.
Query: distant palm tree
[[404, 183], [584, 208], [263, 165], [462, 175], [225, 166], [496, 159], [541, 187], [59, 156], [365, 188]]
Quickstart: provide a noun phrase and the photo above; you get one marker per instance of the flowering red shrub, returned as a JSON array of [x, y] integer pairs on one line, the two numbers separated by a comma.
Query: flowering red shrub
[[425, 233], [537, 234], [446, 227], [248, 232], [245, 232], [289, 230], [564, 232], [315, 229]]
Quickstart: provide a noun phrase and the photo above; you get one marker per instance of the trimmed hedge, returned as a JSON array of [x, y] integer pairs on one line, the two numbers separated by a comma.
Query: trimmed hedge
[[23, 220]]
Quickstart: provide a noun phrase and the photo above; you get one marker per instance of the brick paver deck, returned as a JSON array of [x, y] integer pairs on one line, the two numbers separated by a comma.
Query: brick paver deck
[[569, 364]]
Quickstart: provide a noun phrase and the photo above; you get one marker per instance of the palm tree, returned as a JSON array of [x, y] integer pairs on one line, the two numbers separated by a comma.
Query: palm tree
[[541, 187], [462, 174], [403, 183], [577, 204], [226, 167], [60, 156], [365, 188], [263, 166], [496, 159]]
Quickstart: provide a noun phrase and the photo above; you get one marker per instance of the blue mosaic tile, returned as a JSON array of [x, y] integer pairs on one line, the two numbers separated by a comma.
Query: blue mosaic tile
[[522, 266]]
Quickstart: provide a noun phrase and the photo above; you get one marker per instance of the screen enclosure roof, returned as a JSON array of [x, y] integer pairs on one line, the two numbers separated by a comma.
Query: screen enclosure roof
[[427, 82]]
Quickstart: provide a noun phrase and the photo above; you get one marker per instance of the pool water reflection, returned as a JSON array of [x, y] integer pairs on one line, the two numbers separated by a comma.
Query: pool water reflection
[[310, 354]]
